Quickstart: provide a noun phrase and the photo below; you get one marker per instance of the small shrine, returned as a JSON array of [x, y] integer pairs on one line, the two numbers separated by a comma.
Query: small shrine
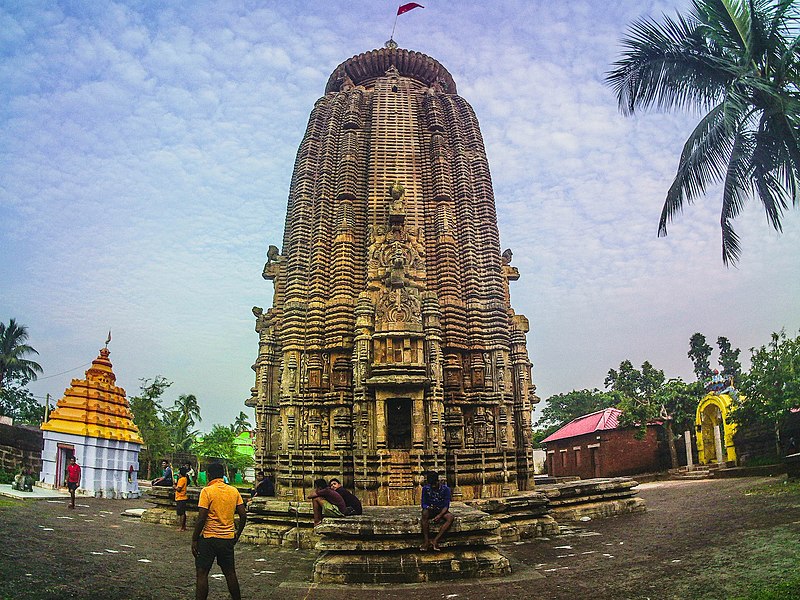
[[714, 427], [94, 423]]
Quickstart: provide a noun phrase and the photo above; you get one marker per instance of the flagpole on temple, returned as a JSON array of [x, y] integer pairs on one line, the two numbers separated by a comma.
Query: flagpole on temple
[[391, 37], [403, 8]]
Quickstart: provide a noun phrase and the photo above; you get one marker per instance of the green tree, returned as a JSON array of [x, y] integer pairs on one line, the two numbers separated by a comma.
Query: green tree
[[219, 443], [189, 409], [17, 402], [700, 355], [13, 350], [563, 408], [738, 59], [180, 421], [729, 359], [771, 388], [242, 423], [646, 397], [179, 430], [147, 410]]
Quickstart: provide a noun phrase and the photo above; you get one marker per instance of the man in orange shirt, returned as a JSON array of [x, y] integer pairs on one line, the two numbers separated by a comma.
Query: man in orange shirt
[[181, 496], [214, 536]]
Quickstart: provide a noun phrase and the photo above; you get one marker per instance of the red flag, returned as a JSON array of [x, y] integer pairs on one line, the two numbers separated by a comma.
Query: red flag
[[407, 7]]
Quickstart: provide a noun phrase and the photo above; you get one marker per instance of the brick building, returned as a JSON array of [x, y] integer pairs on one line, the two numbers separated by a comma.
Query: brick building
[[594, 445]]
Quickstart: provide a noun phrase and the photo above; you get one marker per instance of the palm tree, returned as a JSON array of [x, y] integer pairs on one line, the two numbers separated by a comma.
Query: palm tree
[[187, 406], [737, 59], [13, 350], [242, 423]]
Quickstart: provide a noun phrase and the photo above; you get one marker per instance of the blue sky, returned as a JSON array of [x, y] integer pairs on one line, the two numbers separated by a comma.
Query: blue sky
[[147, 151]]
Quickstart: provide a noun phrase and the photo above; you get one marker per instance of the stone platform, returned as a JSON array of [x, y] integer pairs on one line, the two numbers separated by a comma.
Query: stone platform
[[593, 498], [38, 493], [164, 511], [523, 516], [271, 522], [382, 546]]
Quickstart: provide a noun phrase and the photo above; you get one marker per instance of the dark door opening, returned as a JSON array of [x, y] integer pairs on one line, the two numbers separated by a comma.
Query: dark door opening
[[398, 423]]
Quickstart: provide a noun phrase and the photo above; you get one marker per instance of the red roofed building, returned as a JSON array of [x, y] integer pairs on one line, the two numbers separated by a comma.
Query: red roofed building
[[594, 445]]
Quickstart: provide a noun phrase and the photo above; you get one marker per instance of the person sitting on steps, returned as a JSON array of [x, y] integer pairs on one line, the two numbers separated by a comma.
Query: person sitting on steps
[[351, 501], [166, 478], [435, 508], [326, 502]]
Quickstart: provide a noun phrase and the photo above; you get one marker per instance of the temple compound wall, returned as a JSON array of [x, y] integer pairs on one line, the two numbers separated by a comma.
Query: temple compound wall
[[391, 347], [20, 447]]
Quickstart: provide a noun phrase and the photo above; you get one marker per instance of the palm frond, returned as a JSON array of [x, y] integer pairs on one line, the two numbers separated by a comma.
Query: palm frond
[[737, 189], [740, 59], [726, 22], [668, 66], [702, 161]]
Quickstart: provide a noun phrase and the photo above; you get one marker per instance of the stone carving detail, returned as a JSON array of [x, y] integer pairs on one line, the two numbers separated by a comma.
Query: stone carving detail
[[391, 346]]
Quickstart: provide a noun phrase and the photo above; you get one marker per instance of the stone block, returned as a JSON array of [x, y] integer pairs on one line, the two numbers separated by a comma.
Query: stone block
[[400, 567], [382, 546], [587, 487], [598, 510]]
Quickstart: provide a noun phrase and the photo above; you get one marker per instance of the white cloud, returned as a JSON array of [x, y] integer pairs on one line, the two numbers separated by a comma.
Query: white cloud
[[147, 153]]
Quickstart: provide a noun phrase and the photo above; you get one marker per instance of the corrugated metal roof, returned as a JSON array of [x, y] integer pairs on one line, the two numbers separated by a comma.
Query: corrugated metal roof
[[597, 421]]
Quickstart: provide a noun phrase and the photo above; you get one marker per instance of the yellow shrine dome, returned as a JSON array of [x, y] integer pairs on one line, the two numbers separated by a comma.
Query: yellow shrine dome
[[95, 406]]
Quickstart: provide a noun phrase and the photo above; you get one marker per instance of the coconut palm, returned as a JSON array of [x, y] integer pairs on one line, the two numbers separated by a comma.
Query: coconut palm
[[242, 423], [187, 406], [13, 350], [737, 59]]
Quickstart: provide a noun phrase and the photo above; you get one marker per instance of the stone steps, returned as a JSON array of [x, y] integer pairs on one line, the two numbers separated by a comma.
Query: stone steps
[[382, 546]]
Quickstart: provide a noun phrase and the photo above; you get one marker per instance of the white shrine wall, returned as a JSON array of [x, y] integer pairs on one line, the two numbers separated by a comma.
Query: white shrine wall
[[105, 464]]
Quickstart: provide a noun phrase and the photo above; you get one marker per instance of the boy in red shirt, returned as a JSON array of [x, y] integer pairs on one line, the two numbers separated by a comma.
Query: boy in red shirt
[[73, 479]]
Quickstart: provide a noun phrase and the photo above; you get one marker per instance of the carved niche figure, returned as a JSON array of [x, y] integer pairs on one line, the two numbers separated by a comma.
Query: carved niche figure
[[347, 84], [273, 265], [397, 193]]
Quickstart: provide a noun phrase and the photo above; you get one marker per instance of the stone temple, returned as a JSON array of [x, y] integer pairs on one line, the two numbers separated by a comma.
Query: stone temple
[[391, 347]]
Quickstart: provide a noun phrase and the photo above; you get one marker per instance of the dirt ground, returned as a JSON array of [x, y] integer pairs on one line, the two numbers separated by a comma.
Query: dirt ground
[[698, 539]]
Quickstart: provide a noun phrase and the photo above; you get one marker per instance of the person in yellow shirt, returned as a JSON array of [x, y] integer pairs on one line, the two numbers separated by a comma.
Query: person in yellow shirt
[[181, 496], [214, 536]]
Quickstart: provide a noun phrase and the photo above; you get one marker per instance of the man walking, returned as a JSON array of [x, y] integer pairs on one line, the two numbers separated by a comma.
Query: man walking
[[435, 508], [73, 479], [214, 536]]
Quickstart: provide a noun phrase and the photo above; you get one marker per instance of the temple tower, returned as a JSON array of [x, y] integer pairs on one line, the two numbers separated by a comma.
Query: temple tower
[[391, 347], [93, 422]]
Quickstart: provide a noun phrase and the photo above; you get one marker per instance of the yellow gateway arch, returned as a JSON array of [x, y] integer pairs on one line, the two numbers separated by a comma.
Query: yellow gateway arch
[[715, 430]]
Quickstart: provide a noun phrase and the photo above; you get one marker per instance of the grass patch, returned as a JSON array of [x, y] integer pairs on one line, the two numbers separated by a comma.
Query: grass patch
[[8, 502], [784, 590], [768, 573], [783, 487]]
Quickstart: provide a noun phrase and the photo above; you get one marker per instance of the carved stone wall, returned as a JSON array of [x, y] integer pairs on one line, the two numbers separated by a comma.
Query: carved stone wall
[[391, 347]]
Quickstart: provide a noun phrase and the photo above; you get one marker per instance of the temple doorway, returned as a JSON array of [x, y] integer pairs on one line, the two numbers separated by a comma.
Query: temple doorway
[[65, 452], [594, 461], [398, 423]]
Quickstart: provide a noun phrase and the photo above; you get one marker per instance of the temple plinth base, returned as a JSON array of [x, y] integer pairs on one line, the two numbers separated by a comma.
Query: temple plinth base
[[163, 513], [521, 517], [275, 522], [593, 498], [382, 546]]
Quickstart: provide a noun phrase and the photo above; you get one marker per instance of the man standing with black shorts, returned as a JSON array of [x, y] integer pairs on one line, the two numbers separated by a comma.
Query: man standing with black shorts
[[214, 536], [73, 479]]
